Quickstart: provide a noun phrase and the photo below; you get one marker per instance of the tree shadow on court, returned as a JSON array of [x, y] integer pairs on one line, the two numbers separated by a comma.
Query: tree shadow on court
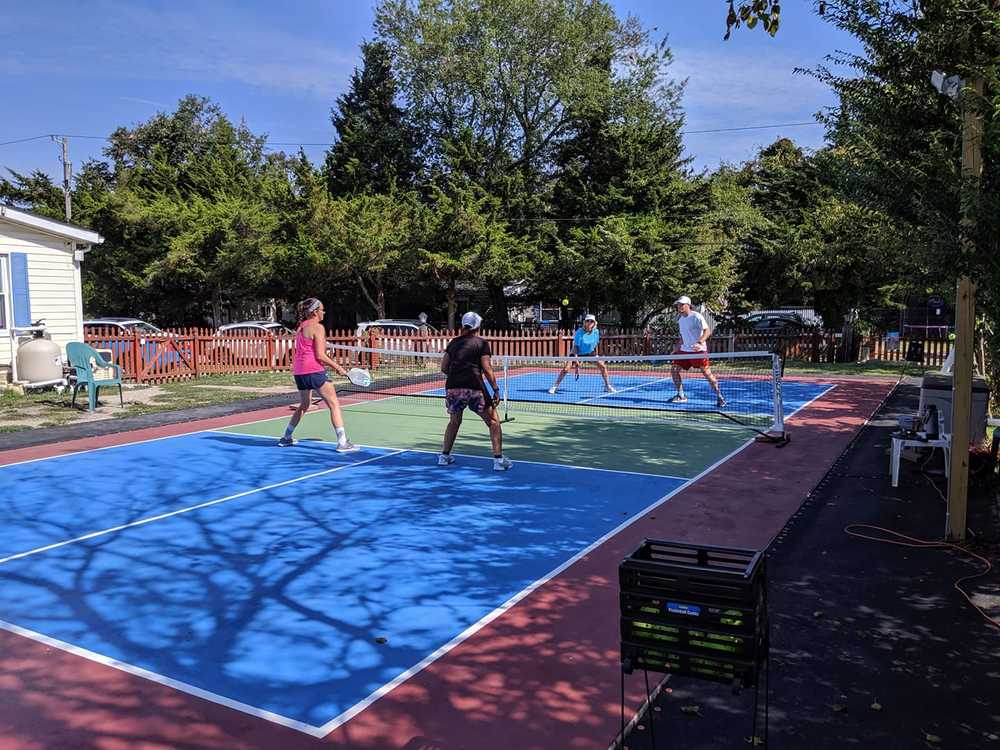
[[286, 597], [225, 596]]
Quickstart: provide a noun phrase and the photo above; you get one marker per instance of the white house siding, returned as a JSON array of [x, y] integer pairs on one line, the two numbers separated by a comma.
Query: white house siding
[[53, 284]]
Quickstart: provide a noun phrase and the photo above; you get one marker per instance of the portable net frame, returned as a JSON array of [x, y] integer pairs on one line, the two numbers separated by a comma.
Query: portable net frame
[[750, 383]]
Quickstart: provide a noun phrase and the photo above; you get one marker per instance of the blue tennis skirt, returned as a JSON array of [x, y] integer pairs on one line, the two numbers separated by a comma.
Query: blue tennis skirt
[[311, 382]]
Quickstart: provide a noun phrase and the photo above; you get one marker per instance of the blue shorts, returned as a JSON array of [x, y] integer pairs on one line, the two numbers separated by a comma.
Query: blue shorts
[[311, 382]]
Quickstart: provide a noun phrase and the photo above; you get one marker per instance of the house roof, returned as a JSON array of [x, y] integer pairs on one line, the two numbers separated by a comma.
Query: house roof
[[49, 226]]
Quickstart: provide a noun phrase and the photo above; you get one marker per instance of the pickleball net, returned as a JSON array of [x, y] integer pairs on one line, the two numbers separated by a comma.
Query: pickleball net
[[636, 388]]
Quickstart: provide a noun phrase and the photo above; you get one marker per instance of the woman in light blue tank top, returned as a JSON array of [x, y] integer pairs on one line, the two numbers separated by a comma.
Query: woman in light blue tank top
[[585, 342]]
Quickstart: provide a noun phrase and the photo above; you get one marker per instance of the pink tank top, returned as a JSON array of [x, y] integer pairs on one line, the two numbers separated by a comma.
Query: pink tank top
[[305, 362]]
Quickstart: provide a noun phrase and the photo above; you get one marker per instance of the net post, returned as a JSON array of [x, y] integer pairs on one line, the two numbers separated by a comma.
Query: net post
[[779, 406], [506, 388]]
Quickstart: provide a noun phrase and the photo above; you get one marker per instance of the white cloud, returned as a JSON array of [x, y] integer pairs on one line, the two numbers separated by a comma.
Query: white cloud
[[147, 102], [211, 44]]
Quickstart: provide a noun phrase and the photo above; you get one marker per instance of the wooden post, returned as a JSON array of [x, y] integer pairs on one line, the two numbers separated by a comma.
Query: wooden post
[[197, 350], [961, 408], [965, 322], [137, 357]]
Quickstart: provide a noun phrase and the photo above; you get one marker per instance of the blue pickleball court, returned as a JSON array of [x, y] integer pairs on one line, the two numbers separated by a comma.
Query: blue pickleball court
[[266, 577]]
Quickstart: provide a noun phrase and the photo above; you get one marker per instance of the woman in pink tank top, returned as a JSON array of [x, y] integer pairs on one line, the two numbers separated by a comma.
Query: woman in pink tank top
[[309, 370]]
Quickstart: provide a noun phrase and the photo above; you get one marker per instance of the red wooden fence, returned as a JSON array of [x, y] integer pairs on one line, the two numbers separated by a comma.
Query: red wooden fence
[[185, 353]]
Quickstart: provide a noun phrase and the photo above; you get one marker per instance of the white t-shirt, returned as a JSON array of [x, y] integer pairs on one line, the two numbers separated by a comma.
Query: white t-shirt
[[692, 326]]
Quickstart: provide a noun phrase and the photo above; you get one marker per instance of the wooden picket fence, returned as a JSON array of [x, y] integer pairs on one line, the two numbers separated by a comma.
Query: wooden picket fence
[[932, 352], [187, 353]]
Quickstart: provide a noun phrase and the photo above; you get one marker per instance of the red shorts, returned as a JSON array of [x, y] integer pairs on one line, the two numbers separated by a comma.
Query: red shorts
[[699, 363]]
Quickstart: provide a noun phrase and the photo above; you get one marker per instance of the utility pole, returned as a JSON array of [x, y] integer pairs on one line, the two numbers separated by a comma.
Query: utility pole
[[67, 175], [965, 318]]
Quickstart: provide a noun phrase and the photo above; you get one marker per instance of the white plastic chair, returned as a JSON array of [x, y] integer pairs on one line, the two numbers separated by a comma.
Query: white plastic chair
[[942, 441]]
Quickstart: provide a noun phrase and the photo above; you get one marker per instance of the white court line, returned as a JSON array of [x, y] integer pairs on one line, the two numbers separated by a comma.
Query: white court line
[[162, 437], [222, 431], [190, 508], [617, 391], [814, 398], [490, 617], [163, 680], [155, 439], [99, 448]]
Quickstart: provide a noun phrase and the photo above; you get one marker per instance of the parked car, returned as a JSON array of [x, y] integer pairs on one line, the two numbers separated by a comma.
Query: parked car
[[246, 343], [124, 325], [152, 351], [400, 334], [776, 322], [254, 326], [397, 326]]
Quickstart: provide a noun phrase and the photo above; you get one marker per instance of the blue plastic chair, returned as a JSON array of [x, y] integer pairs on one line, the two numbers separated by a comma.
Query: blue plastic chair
[[80, 357]]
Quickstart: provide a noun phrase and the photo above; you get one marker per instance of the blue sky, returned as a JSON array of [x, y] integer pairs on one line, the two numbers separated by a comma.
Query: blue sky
[[86, 68]]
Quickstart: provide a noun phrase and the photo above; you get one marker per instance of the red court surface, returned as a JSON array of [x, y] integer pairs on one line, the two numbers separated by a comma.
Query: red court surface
[[543, 676]]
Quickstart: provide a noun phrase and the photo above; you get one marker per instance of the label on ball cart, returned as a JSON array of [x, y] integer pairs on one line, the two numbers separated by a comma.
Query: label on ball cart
[[676, 608]]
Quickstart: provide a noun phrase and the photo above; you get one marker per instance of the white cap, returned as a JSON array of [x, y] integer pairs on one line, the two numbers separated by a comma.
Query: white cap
[[589, 317], [683, 300], [471, 320]]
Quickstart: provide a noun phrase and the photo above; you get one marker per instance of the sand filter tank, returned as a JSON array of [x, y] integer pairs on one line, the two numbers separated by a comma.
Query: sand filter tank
[[39, 360]]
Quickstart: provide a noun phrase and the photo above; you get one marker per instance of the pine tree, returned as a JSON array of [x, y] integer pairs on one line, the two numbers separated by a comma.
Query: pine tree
[[376, 147]]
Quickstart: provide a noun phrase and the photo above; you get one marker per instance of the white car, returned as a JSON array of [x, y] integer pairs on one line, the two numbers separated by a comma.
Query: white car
[[254, 326], [115, 335], [399, 334], [121, 325], [395, 326], [247, 343]]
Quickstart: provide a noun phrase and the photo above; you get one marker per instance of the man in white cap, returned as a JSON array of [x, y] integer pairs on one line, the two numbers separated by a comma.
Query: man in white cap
[[694, 331], [466, 362], [585, 342]]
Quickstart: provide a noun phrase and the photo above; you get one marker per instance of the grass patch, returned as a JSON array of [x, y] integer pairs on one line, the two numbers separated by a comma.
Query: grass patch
[[50, 409], [251, 380], [857, 369], [186, 396]]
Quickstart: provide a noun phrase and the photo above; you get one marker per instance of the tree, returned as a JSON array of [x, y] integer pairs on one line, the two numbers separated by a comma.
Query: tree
[[33, 192], [638, 264], [376, 147], [906, 138], [802, 241], [752, 12], [621, 176], [509, 71], [371, 239], [465, 239]]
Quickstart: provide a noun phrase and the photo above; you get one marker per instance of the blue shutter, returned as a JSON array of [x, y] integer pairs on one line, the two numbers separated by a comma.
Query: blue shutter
[[19, 279]]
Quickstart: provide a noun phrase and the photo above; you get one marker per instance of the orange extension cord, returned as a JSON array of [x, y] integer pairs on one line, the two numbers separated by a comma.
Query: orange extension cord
[[929, 544]]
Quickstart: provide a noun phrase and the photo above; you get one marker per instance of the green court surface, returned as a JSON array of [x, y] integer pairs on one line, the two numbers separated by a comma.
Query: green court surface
[[679, 450]]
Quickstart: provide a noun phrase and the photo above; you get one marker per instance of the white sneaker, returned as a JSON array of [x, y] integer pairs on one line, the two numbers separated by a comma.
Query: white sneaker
[[611, 389], [502, 464], [445, 458], [680, 398], [286, 442], [347, 447], [552, 391]]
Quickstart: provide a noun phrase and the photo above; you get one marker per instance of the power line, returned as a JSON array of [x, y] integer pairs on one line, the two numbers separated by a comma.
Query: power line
[[327, 144], [751, 127], [25, 140]]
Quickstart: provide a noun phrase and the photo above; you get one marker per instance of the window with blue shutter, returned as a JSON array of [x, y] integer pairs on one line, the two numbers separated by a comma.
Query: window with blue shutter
[[4, 293], [19, 289]]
